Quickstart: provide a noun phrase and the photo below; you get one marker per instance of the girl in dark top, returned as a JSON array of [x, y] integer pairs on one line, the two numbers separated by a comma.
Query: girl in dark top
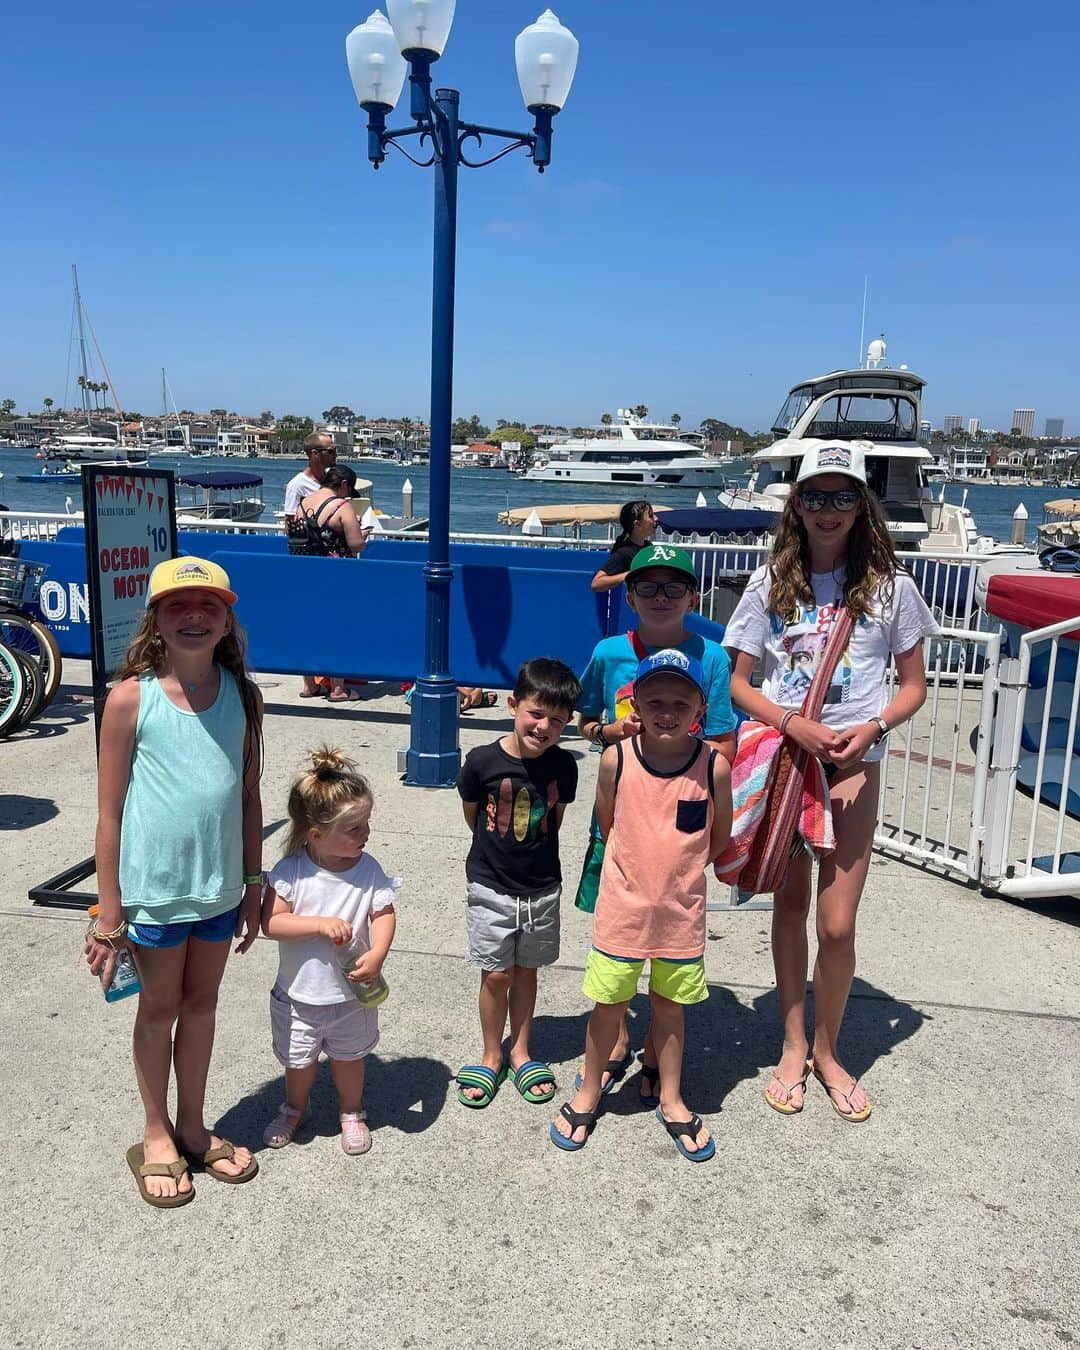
[[637, 522]]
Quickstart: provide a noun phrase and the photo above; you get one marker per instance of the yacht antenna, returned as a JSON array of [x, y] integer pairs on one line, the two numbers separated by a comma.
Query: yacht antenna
[[862, 328]]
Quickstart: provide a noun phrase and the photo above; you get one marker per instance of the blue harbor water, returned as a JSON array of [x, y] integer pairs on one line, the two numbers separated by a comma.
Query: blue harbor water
[[479, 495]]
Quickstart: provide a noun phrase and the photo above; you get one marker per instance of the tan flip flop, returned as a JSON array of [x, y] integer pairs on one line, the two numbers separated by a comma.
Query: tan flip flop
[[140, 1170], [786, 1108], [853, 1117], [226, 1149]]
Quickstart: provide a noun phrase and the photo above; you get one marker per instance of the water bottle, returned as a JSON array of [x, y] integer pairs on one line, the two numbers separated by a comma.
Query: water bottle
[[125, 978], [375, 991]]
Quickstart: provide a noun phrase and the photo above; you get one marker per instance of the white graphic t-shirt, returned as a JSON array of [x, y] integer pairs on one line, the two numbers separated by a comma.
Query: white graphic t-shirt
[[790, 651]]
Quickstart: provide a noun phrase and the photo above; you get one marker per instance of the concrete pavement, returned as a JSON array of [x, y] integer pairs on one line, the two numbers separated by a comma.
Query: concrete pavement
[[948, 1219]]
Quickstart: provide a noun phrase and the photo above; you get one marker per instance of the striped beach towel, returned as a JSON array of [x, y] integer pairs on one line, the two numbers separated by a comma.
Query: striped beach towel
[[778, 789]]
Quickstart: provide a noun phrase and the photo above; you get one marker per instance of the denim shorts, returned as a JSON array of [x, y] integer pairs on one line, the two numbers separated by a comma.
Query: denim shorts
[[218, 929]]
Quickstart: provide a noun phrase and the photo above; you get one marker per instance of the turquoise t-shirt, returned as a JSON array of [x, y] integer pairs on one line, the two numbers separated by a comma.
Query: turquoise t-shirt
[[608, 680], [181, 836]]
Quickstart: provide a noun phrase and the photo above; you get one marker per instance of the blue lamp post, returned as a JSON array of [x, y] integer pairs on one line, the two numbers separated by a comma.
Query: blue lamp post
[[380, 53]]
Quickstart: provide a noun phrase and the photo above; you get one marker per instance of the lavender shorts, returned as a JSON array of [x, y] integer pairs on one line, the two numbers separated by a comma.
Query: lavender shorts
[[303, 1031]]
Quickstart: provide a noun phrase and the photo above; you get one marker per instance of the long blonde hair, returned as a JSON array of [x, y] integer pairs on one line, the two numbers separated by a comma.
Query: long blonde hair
[[146, 653], [871, 563], [321, 793]]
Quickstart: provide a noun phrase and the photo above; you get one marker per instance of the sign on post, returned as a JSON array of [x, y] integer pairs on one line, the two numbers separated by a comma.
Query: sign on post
[[130, 515]]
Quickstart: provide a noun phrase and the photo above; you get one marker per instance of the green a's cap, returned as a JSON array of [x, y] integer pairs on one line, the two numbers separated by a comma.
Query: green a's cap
[[663, 555]]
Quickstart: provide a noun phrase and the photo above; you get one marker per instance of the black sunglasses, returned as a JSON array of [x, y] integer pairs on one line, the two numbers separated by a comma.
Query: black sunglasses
[[842, 499], [674, 590]]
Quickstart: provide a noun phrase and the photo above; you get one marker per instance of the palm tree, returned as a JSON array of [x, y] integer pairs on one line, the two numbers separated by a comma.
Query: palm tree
[[676, 418], [606, 419], [46, 403], [641, 411]]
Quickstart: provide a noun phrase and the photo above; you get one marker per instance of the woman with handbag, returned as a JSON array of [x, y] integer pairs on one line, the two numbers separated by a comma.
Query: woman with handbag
[[830, 608]]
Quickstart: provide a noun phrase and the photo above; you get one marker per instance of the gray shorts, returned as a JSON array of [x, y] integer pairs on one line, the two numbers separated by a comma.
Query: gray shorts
[[510, 930], [303, 1031]]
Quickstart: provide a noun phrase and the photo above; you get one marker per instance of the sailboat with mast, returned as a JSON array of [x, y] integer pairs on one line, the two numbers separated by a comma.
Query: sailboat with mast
[[88, 444]]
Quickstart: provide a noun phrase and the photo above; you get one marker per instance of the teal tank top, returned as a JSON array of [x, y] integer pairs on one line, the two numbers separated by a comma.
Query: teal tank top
[[181, 837]]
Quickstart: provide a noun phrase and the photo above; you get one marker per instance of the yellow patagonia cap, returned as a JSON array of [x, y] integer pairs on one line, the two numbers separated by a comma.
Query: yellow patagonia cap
[[182, 574]]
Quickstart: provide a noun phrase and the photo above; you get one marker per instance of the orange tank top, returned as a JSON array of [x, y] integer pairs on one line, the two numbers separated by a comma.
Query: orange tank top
[[651, 900]]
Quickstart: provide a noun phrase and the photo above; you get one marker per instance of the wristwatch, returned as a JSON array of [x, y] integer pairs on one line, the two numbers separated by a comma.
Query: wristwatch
[[883, 728]]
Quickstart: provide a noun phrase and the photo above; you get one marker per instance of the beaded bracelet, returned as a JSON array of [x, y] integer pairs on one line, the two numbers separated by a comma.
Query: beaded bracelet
[[791, 712]]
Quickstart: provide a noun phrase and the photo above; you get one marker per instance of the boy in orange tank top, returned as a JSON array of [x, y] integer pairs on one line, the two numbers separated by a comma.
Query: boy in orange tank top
[[663, 805]]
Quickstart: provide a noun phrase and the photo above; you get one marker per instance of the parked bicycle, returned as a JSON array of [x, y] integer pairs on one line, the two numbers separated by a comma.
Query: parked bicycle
[[30, 663]]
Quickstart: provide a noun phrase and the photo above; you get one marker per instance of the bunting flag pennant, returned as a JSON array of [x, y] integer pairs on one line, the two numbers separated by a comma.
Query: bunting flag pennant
[[138, 496], [128, 486], [161, 503], [100, 486]]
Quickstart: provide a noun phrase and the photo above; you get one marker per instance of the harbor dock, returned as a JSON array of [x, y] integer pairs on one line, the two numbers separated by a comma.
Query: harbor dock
[[948, 1219]]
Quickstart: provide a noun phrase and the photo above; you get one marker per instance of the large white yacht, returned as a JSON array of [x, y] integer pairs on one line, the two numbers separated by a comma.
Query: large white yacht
[[878, 409], [629, 452]]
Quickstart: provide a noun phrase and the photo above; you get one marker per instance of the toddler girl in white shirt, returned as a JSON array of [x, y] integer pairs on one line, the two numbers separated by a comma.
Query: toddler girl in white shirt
[[326, 892]]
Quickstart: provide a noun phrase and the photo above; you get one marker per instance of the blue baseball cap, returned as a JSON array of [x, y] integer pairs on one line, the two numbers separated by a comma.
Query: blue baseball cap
[[672, 662]]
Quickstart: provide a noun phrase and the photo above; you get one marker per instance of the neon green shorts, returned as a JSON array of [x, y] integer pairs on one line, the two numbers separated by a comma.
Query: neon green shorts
[[614, 979]]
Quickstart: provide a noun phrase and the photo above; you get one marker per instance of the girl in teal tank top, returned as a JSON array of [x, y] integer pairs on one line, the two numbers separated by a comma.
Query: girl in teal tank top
[[179, 856]]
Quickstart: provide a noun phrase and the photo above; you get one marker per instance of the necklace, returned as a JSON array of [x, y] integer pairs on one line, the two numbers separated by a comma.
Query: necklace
[[190, 688]]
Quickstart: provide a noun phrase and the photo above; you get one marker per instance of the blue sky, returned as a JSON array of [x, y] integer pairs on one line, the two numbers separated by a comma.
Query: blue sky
[[723, 178]]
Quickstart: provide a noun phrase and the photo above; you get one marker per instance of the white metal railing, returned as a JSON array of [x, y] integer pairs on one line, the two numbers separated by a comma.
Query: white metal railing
[[932, 795], [1033, 808]]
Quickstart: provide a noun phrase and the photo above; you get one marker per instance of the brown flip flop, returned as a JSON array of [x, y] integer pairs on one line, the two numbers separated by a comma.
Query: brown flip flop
[[140, 1170], [853, 1117], [786, 1108], [226, 1149]]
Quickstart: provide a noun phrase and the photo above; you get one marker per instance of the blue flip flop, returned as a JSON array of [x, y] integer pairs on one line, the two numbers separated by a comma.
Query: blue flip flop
[[616, 1071], [576, 1119], [677, 1128], [479, 1076]]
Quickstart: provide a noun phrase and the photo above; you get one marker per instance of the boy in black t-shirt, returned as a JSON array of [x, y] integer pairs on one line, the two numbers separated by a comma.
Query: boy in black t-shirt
[[514, 793]]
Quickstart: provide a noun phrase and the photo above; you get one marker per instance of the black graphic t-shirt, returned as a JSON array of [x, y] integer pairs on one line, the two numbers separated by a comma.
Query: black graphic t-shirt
[[515, 847]]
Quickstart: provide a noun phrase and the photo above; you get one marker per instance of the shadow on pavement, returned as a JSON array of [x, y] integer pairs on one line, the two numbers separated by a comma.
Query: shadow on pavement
[[406, 1093], [23, 813], [728, 1041]]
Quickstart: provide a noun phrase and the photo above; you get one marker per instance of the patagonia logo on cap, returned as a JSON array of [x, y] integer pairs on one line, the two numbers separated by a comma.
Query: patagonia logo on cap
[[834, 457], [191, 571]]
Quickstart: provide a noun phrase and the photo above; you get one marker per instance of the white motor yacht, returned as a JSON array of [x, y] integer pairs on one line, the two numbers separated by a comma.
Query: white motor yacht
[[878, 409], [631, 453]]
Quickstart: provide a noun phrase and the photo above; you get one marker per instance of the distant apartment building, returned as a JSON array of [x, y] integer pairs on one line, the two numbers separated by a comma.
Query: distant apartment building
[[1054, 428], [1023, 419], [973, 426], [254, 440], [230, 440], [953, 422], [968, 461]]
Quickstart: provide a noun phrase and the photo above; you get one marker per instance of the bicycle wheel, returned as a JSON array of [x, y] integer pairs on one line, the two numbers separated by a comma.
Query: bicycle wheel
[[33, 639], [12, 687], [33, 690]]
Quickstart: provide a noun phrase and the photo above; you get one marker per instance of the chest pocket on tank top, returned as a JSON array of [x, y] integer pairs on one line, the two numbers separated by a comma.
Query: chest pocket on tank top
[[691, 816]]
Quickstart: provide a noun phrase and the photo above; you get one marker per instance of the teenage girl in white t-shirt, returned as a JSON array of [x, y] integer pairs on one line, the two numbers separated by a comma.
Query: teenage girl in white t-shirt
[[326, 892], [832, 550]]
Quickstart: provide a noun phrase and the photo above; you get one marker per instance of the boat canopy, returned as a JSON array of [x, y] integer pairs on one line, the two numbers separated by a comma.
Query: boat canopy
[[717, 520], [575, 513], [220, 478]]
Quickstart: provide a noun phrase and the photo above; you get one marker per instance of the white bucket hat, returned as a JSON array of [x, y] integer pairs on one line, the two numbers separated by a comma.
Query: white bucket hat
[[842, 457]]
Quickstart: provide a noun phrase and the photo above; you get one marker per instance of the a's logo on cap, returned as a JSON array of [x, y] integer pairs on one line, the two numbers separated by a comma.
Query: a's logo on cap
[[191, 571], [834, 457], [661, 553]]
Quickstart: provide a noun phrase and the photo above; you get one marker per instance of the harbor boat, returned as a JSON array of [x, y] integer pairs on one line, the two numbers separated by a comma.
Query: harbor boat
[[218, 494], [571, 517], [877, 409], [1060, 526], [631, 453]]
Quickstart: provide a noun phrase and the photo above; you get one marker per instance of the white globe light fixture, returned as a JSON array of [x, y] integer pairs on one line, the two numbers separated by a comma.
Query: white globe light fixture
[[421, 26], [376, 66], [546, 54]]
